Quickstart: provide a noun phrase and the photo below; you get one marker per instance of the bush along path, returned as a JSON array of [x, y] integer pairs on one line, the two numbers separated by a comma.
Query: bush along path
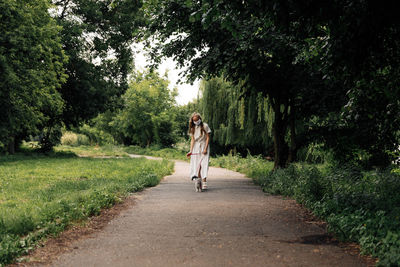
[[232, 223], [358, 205]]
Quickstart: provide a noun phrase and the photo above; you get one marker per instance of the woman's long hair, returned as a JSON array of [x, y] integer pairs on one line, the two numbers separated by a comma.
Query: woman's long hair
[[192, 126]]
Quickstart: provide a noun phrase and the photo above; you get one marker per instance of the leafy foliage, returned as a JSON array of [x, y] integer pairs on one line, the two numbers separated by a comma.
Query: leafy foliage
[[31, 71], [147, 115], [96, 36], [309, 59], [145, 118], [357, 205], [73, 139], [239, 123], [236, 39]]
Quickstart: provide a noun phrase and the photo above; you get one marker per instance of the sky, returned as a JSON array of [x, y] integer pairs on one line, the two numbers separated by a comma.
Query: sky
[[186, 92]]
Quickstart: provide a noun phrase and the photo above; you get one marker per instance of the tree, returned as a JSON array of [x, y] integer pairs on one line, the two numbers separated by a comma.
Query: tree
[[361, 57], [267, 44], [237, 39], [96, 36], [145, 118], [31, 71], [240, 123], [182, 115]]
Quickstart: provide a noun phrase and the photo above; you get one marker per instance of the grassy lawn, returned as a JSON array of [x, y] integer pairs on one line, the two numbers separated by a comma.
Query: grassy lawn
[[121, 151], [41, 195], [165, 153]]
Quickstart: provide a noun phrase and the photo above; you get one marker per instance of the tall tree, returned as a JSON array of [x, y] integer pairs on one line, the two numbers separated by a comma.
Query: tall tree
[[240, 123], [361, 57], [31, 71], [263, 43], [96, 36], [238, 39], [145, 118]]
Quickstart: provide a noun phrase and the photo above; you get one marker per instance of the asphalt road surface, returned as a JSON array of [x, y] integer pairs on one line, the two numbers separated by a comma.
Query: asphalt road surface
[[233, 223]]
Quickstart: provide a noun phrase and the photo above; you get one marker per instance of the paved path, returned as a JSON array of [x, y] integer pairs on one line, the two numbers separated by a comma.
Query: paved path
[[232, 224]]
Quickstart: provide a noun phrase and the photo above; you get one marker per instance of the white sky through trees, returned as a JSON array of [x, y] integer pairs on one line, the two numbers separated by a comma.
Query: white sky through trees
[[186, 92]]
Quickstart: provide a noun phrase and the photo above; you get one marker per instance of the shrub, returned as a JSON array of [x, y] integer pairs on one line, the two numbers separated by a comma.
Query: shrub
[[358, 205], [96, 135], [69, 139], [50, 137], [314, 153], [73, 139]]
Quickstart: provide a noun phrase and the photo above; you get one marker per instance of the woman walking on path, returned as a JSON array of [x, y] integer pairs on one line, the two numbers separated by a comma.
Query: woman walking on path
[[199, 148]]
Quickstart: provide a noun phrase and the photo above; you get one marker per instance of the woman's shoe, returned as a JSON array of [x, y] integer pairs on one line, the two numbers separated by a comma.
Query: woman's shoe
[[204, 185]]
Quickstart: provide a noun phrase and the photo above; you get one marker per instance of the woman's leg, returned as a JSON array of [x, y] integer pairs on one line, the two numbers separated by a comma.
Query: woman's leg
[[199, 175]]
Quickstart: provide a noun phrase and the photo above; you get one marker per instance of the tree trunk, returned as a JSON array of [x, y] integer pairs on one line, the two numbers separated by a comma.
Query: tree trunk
[[279, 131], [293, 145], [11, 146]]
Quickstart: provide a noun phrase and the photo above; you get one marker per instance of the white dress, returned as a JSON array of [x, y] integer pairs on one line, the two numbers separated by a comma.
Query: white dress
[[198, 160]]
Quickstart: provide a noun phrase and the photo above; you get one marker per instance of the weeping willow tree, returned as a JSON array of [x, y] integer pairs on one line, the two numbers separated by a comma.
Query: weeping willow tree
[[239, 121]]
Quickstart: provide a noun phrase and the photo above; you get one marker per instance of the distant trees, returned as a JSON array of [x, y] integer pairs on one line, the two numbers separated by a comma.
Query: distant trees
[[147, 115]]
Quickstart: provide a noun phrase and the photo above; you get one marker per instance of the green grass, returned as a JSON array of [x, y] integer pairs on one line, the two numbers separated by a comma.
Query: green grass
[[165, 153], [41, 195], [253, 166], [121, 151]]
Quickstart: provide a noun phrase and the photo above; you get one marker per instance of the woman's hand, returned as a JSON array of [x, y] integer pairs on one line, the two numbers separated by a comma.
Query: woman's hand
[[205, 152], [189, 154]]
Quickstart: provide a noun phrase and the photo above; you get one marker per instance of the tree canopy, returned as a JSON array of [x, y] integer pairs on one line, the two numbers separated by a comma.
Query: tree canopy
[[96, 36], [295, 54], [31, 71], [62, 62], [146, 116]]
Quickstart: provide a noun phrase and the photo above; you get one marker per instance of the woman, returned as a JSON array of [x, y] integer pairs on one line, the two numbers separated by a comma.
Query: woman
[[199, 148]]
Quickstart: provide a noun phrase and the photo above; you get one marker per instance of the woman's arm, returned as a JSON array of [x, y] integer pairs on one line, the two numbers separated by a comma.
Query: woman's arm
[[207, 141], [191, 147]]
